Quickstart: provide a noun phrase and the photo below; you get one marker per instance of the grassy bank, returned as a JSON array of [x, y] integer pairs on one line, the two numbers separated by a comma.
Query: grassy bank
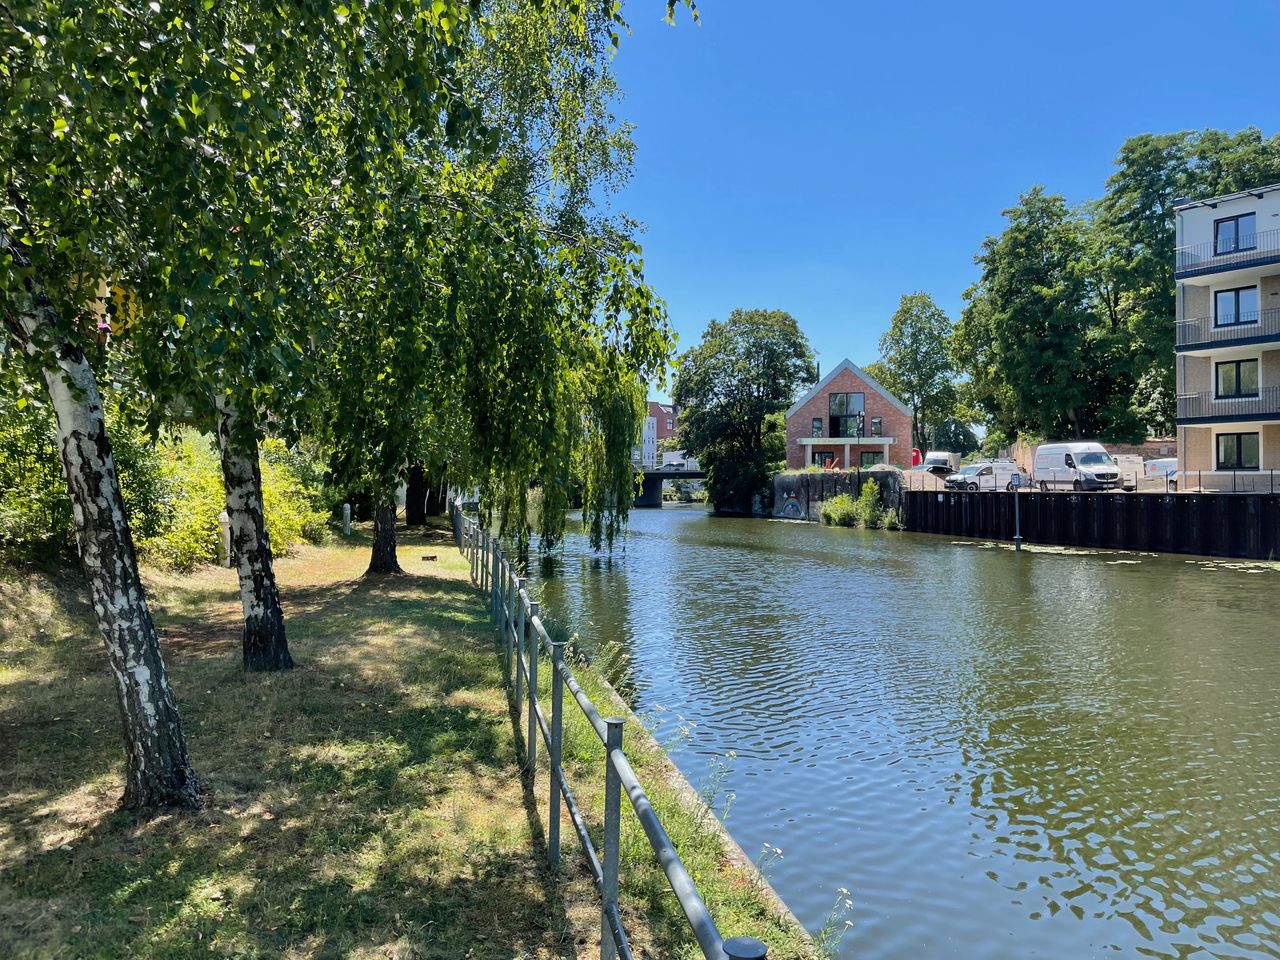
[[366, 804]]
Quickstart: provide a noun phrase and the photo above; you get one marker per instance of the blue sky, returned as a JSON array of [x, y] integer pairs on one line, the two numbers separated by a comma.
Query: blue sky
[[826, 158]]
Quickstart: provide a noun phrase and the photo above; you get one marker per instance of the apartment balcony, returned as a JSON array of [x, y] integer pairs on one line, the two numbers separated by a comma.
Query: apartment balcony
[[1207, 408], [1250, 250], [1251, 327]]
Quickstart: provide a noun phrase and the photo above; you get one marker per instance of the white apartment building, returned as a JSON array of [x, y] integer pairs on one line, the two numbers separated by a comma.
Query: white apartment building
[[1228, 339], [645, 454]]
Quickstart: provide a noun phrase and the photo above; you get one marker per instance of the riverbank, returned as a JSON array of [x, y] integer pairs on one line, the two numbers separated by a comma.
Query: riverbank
[[366, 804]]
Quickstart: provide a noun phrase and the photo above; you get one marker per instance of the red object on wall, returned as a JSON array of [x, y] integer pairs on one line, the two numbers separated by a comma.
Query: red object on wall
[[916, 457]]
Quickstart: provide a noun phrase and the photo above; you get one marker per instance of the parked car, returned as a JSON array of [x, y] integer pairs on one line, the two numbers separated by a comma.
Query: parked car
[[1131, 469], [988, 475], [1076, 466], [941, 463], [1159, 469]]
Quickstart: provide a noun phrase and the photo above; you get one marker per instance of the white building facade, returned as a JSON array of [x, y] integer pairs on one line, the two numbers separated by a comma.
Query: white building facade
[[1227, 338], [645, 454]]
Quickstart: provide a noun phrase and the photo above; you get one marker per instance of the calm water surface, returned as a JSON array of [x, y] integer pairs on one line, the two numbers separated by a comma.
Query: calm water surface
[[999, 755]]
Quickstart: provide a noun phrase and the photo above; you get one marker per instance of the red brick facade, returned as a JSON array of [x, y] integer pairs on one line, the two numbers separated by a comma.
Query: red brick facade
[[665, 415], [895, 422]]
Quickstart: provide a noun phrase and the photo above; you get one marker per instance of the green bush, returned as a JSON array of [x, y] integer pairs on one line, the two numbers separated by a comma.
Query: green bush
[[172, 489], [840, 511], [867, 507], [893, 519]]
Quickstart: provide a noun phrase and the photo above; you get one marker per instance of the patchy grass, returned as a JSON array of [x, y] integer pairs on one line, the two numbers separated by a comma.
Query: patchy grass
[[367, 804]]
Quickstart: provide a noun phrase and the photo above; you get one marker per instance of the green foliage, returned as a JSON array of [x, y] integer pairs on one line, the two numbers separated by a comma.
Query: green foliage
[[744, 369], [34, 510], [1068, 331], [916, 365], [893, 519], [838, 511], [775, 441], [954, 436], [867, 508]]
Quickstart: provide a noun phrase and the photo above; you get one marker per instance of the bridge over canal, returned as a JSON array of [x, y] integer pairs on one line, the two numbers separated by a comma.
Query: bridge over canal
[[651, 491]]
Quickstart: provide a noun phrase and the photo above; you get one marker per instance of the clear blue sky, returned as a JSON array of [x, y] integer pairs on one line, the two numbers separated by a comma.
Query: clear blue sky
[[825, 158]]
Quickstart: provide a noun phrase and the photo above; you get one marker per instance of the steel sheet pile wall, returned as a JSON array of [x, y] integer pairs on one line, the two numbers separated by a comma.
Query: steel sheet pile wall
[[1214, 524]]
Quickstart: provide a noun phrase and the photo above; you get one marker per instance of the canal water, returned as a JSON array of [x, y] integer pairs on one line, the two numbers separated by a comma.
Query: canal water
[[1046, 754]]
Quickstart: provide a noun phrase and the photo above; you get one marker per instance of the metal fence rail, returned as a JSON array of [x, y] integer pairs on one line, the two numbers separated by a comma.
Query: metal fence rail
[[522, 642]]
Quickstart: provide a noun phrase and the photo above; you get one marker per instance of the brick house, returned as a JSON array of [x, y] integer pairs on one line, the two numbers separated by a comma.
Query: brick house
[[848, 420], [665, 419]]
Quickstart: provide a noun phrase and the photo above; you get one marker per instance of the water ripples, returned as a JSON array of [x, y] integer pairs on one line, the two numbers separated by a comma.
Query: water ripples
[[999, 755]]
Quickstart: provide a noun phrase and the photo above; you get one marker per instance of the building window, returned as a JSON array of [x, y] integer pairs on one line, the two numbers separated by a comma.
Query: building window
[[877, 427], [870, 458], [823, 458], [1237, 451], [671, 424], [1232, 307], [846, 414], [816, 429], [1236, 378], [1235, 233]]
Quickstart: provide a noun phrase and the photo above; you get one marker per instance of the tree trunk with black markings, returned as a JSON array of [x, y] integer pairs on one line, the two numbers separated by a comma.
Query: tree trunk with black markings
[[264, 645], [158, 772], [383, 559]]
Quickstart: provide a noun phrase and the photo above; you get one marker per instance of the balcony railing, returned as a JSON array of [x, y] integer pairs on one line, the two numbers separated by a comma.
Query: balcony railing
[[1205, 406], [1251, 326], [1250, 250]]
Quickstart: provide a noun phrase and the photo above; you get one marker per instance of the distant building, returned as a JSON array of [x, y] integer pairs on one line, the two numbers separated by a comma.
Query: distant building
[[848, 420], [645, 454], [1227, 335], [665, 418]]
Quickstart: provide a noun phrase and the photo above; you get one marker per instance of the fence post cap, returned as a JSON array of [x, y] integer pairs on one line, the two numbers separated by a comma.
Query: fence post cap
[[615, 721], [745, 948]]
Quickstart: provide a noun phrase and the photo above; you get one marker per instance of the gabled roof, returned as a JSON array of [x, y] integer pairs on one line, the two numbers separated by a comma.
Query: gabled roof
[[857, 372]]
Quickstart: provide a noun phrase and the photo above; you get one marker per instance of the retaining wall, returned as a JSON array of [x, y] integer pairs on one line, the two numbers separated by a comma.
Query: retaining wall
[[1213, 524]]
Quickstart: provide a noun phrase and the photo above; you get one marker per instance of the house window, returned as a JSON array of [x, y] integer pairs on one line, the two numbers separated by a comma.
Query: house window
[[1236, 378], [1237, 451], [816, 429], [846, 414], [671, 424], [870, 458], [877, 427], [823, 458], [1232, 307], [1235, 233]]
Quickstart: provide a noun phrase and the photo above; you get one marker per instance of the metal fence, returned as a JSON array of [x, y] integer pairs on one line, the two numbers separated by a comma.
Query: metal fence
[[523, 643]]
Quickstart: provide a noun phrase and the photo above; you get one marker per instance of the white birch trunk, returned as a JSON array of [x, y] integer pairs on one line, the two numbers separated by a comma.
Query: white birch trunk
[[157, 772], [265, 645]]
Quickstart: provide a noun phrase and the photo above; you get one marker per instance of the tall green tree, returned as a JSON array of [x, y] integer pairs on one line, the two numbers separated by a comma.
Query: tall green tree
[[1023, 335], [744, 369], [916, 363]]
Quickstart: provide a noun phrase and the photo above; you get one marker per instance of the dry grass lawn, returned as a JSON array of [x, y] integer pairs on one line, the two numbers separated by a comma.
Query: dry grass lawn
[[367, 804]]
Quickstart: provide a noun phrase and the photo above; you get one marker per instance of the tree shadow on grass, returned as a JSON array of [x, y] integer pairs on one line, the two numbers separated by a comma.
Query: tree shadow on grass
[[362, 803]]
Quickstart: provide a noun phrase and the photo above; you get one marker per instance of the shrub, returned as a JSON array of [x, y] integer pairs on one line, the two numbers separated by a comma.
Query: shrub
[[35, 511], [187, 533], [893, 519], [867, 507], [840, 511]]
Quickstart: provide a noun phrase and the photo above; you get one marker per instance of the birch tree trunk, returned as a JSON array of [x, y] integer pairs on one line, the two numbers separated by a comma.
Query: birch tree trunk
[[157, 769], [383, 559], [265, 646]]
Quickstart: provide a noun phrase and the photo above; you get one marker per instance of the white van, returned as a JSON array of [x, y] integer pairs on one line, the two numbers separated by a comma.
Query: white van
[[988, 475], [1074, 466], [941, 463]]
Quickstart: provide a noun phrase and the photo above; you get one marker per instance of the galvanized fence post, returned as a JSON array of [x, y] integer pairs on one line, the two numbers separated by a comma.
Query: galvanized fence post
[[612, 829], [533, 646], [519, 664], [557, 728], [745, 948], [517, 624], [503, 590]]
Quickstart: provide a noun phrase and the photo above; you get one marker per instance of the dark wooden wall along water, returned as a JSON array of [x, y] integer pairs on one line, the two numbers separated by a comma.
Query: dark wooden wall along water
[[1213, 524]]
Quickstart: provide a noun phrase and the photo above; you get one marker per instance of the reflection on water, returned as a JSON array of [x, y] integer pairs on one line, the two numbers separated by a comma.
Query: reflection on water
[[1001, 755]]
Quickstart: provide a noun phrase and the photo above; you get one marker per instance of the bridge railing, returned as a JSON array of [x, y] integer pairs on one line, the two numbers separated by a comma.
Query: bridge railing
[[523, 644]]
